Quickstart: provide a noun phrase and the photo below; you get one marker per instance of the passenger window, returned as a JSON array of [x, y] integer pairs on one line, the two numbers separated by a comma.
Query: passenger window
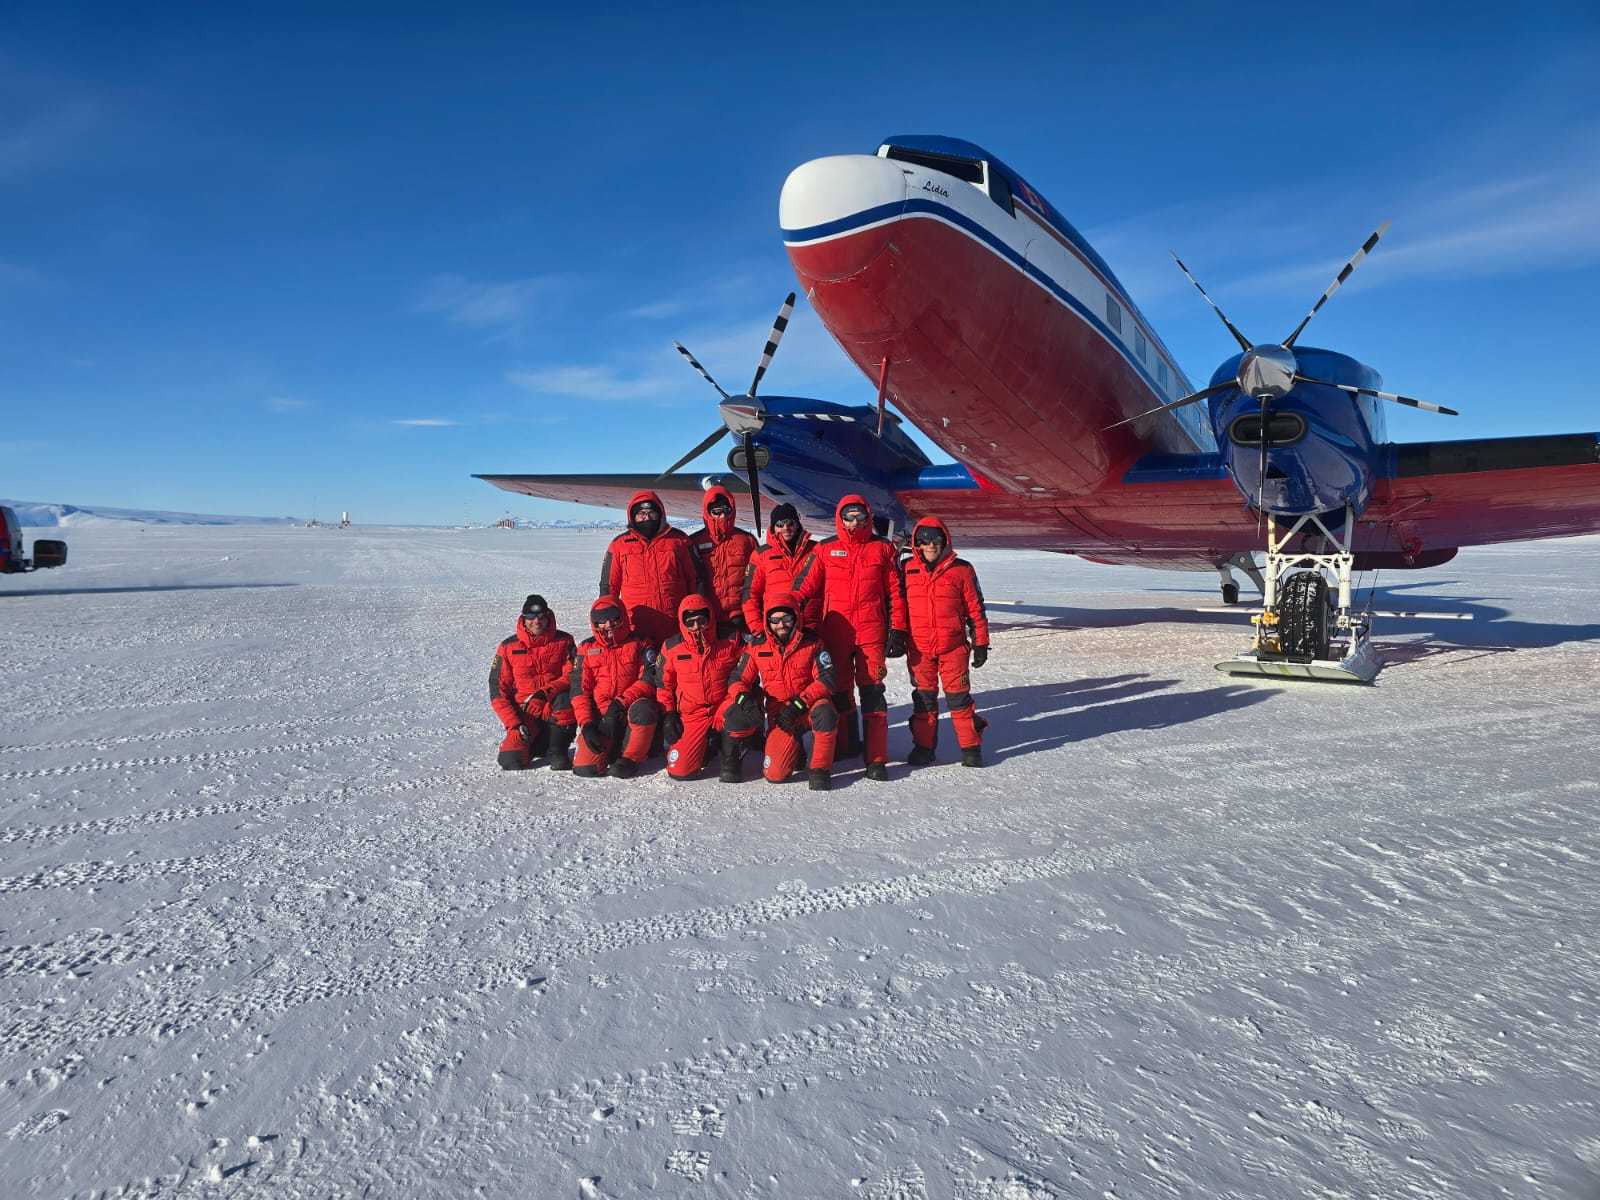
[[1113, 313], [1161, 373], [1139, 344], [1000, 193]]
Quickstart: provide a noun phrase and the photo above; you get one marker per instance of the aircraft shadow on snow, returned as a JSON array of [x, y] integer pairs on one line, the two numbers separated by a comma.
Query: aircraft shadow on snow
[[1030, 718], [148, 587], [1492, 629]]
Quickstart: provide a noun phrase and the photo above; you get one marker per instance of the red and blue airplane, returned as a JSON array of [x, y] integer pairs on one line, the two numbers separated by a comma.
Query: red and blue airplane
[[996, 328]]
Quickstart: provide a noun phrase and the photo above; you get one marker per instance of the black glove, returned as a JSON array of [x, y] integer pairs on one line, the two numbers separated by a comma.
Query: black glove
[[593, 737], [615, 720], [980, 655], [791, 717], [895, 646], [754, 639], [522, 732], [671, 728]]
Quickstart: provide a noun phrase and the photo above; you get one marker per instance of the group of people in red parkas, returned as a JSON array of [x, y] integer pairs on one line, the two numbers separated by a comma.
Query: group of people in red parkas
[[710, 642]]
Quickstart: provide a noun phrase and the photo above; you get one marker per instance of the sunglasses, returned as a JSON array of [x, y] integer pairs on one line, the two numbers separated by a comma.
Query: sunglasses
[[647, 510], [719, 508], [535, 616], [697, 616], [606, 616], [781, 617]]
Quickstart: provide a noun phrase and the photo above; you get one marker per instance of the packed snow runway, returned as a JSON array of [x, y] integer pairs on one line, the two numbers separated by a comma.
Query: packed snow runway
[[274, 922]]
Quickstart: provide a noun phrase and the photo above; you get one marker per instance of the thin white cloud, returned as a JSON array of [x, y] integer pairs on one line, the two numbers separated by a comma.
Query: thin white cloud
[[504, 306], [285, 404], [426, 423], [592, 382], [658, 311]]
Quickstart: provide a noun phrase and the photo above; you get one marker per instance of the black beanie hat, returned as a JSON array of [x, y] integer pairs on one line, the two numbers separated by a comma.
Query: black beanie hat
[[534, 606], [784, 512]]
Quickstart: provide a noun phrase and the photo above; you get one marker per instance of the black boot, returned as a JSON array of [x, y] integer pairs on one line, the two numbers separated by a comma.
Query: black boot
[[878, 771], [819, 780], [623, 768], [732, 759], [513, 760], [972, 756], [920, 756], [561, 746]]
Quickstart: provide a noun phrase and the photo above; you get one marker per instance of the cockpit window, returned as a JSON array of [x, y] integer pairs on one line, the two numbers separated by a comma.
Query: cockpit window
[[969, 170]]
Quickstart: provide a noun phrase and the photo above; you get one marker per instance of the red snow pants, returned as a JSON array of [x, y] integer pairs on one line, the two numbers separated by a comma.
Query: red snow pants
[[928, 671], [642, 718], [861, 666], [783, 748], [687, 755]]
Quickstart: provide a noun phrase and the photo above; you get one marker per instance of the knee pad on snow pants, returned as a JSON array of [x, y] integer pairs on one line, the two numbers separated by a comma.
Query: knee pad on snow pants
[[955, 700], [844, 702], [742, 720], [873, 698], [824, 717], [924, 701], [643, 712]]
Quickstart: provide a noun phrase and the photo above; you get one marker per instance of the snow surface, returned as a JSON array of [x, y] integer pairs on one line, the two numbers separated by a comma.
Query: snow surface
[[275, 924]]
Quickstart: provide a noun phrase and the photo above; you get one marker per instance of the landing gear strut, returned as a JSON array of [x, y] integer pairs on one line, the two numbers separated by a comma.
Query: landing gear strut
[[1306, 629], [1230, 585]]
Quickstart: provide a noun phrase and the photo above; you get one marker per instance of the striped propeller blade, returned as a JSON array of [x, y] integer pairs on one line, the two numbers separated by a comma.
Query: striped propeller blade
[[1338, 282], [1244, 342], [1409, 401], [773, 339], [704, 374]]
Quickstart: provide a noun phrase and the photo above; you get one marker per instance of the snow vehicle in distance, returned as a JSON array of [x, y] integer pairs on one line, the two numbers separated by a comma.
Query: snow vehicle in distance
[[46, 552]]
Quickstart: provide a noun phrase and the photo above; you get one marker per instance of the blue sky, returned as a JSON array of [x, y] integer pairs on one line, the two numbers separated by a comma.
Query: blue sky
[[260, 262]]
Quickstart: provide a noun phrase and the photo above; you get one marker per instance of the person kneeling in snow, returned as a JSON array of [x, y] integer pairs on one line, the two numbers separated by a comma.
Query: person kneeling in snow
[[948, 623], [692, 683], [611, 686], [528, 690], [794, 670]]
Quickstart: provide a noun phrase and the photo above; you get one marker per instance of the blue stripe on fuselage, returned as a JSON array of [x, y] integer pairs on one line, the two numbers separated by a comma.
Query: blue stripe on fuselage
[[1198, 430]]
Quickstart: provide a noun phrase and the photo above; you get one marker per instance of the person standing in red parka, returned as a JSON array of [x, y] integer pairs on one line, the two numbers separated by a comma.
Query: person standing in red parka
[[611, 694], [773, 568], [692, 682], [722, 551], [528, 683], [945, 604], [857, 574], [649, 568], [794, 670]]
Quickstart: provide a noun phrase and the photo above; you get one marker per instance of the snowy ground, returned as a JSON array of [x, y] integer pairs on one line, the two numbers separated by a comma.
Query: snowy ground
[[274, 923]]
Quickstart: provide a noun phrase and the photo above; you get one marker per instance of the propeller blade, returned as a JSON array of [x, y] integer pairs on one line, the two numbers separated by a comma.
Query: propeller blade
[[1410, 401], [1189, 399], [1244, 342], [695, 453], [753, 474], [773, 339], [1355, 260], [704, 374]]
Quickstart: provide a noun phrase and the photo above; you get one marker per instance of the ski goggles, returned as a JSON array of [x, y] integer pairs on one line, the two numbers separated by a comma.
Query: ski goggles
[[645, 509], [719, 508], [853, 512], [781, 616], [697, 617], [609, 615], [930, 537]]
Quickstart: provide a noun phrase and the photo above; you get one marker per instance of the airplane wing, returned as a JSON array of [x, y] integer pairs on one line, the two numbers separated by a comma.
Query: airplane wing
[[1184, 510], [680, 493]]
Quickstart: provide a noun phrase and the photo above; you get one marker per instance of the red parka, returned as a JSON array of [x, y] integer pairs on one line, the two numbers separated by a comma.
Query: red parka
[[604, 671], [941, 599], [858, 577], [694, 665], [650, 575], [525, 666], [772, 569], [722, 550], [801, 668]]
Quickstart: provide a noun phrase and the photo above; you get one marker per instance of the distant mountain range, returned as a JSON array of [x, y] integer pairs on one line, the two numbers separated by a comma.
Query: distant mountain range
[[52, 516]]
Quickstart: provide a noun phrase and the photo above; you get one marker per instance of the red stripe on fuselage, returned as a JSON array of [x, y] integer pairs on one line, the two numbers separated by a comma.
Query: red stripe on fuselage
[[996, 370]]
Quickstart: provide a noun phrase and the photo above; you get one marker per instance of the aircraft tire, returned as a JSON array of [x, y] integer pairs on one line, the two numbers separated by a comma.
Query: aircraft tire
[[1305, 615]]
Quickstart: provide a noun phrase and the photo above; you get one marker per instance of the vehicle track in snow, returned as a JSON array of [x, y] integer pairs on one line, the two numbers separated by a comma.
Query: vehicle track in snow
[[178, 1007]]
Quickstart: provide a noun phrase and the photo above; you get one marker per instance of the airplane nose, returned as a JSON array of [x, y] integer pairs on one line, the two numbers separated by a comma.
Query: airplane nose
[[835, 212]]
